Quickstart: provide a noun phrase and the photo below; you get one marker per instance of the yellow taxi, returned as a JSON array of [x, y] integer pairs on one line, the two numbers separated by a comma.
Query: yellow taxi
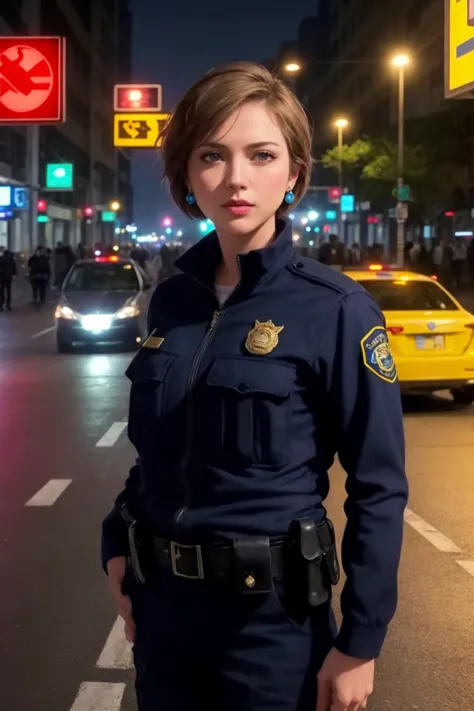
[[431, 335]]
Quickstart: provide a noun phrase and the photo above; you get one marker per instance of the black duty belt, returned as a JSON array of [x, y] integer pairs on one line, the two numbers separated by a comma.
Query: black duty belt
[[215, 562]]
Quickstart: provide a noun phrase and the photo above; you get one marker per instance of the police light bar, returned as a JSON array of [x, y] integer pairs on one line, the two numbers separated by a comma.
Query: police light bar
[[112, 258]]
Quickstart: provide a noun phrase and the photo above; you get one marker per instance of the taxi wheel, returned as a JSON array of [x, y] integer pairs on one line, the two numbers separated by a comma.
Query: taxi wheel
[[464, 396]]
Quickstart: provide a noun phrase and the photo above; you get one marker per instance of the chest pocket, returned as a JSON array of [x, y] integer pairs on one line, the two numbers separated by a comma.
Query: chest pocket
[[147, 372], [250, 409]]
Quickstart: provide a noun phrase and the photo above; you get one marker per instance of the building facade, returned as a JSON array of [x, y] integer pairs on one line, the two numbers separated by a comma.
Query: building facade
[[346, 69], [98, 55]]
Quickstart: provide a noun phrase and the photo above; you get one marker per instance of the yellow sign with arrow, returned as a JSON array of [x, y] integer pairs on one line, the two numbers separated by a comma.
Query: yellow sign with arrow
[[459, 47], [138, 130]]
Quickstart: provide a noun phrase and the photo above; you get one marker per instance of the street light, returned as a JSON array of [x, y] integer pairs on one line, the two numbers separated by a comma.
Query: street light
[[115, 205], [400, 61], [292, 67], [340, 123]]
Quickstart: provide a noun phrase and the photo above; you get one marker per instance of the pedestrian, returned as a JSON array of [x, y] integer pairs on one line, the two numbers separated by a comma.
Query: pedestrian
[[39, 274], [459, 261], [7, 274], [259, 367]]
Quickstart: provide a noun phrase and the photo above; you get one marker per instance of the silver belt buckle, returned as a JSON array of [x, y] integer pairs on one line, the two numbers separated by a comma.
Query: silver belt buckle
[[176, 555]]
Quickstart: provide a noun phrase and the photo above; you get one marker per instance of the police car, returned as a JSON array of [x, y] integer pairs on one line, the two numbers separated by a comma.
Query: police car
[[103, 300], [431, 335]]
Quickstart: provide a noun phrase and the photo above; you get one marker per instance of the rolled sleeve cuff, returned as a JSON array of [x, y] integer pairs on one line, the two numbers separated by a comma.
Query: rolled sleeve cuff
[[360, 641]]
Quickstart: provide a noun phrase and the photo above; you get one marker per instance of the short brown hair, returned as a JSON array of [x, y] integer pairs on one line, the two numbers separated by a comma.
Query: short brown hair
[[211, 101]]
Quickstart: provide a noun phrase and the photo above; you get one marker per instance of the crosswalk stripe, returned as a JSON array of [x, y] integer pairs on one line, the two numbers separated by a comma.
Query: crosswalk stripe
[[468, 566], [49, 493], [98, 696], [431, 534], [117, 651], [112, 435]]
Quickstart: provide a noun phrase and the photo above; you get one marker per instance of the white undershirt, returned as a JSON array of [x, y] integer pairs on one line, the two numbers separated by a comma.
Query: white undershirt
[[223, 292]]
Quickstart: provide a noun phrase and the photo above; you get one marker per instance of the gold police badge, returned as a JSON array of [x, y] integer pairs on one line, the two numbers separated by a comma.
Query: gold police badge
[[263, 337]]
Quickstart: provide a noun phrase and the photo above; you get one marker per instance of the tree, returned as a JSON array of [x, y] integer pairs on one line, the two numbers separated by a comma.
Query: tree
[[370, 168]]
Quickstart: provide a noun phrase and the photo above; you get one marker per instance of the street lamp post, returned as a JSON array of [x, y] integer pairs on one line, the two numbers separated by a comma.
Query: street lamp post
[[340, 124], [400, 62]]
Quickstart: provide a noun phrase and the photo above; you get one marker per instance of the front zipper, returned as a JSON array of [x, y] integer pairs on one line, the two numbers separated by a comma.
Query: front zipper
[[197, 360]]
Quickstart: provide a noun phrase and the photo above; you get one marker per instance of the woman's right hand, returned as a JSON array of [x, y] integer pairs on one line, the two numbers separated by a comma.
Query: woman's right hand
[[116, 568]]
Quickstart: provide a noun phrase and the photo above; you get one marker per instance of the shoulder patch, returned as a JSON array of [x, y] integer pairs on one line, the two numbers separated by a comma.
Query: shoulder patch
[[325, 276], [377, 355]]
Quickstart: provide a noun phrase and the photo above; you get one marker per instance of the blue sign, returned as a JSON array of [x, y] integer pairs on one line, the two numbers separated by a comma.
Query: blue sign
[[6, 214], [331, 215], [21, 198], [347, 203], [5, 196]]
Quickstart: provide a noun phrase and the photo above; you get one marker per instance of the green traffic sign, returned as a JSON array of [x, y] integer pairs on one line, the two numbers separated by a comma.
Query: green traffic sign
[[59, 176], [108, 216], [402, 193]]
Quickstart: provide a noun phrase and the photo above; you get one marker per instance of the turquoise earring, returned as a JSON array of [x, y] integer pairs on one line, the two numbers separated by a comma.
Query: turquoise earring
[[289, 197], [190, 199]]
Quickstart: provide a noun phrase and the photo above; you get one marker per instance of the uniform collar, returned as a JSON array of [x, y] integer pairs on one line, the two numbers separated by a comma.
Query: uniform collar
[[202, 260]]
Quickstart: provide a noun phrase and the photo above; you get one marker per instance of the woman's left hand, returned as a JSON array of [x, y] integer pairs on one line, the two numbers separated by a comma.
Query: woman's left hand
[[344, 683]]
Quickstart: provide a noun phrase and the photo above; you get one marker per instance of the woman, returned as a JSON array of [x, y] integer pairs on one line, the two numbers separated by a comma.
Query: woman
[[257, 370]]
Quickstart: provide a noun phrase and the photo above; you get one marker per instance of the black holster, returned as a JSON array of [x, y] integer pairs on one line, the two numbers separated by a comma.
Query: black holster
[[315, 547], [140, 544]]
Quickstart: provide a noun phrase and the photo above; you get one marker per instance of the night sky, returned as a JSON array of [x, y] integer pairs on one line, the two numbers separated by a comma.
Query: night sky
[[175, 43]]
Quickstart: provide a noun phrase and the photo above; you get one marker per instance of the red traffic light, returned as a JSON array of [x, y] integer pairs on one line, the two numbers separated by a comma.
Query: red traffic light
[[334, 194], [449, 213], [137, 97], [88, 211], [42, 205], [373, 220]]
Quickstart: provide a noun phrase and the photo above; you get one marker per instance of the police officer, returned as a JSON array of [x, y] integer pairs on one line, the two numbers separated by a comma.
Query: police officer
[[259, 367]]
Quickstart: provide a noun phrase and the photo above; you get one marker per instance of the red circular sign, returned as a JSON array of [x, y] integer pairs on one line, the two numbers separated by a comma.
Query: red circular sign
[[27, 79], [32, 80]]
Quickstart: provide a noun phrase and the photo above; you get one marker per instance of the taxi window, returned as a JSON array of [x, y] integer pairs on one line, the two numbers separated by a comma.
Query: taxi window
[[400, 295], [102, 277]]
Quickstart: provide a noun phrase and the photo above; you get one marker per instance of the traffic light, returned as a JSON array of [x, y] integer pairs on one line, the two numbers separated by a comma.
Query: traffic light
[[449, 213], [137, 97], [42, 206], [88, 211]]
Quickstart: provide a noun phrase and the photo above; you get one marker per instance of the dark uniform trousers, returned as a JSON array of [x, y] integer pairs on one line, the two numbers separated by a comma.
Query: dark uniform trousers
[[199, 645]]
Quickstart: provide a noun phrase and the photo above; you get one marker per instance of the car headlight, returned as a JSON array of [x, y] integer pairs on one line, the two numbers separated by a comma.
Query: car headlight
[[128, 312], [65, 312]]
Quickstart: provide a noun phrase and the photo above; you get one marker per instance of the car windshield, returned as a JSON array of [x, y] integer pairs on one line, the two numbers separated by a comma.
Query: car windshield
[[102, 277], [400, 295]]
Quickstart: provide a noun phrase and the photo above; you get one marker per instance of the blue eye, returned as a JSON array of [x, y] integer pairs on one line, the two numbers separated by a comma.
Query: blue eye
[[210, 157], [264, 156]]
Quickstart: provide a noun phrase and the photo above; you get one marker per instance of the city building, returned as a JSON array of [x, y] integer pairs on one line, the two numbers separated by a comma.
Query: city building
[[347, 71], [98, 55]]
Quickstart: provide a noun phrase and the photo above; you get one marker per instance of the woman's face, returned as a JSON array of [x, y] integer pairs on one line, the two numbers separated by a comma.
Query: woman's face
[[239, 176]]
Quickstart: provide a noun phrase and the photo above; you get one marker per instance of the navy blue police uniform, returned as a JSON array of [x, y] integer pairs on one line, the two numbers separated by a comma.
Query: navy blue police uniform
[[237, 413]]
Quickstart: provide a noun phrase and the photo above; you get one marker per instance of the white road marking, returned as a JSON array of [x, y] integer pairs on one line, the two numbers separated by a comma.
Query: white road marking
[[435, 537], [43, 332], [49, 493], [468, 566], [112, 435], [98, 696], [117, 651]]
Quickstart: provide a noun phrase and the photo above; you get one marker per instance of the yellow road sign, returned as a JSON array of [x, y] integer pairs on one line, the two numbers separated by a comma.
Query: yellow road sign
[[138, 130], [459, 47]]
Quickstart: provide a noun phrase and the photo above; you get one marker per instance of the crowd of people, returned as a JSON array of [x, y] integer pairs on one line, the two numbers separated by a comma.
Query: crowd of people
[[451, 262]]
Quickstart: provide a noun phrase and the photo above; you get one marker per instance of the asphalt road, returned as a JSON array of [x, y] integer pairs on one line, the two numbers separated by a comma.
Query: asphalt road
[[64, 456]]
